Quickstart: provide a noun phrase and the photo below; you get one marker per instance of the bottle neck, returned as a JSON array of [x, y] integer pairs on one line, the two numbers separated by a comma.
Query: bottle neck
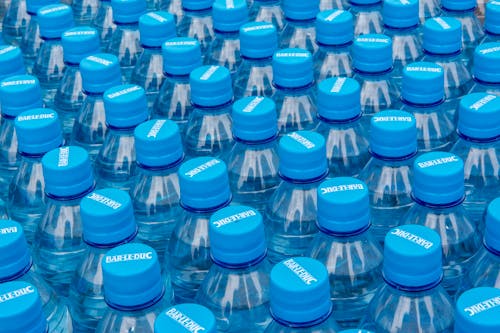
[[393, 158], [71, 197], [241, 265], [18, 274], [438, 206], [343, 234], [138, 307], [111, 245], [304, 181], [312, 323], [164, 169], [478, 140], [208, 210], [412, 289]]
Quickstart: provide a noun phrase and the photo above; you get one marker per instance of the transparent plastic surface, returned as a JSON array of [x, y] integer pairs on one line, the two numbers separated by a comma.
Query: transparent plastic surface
[[14, 22], [367, 18], [254, 78], [379, 91], [125, 44], [299, 34], [225, 51], [148, 73], [84, 11], [199, 25], [9, 161], [268, 11], [30, 43], [332, 61], [103, 22]]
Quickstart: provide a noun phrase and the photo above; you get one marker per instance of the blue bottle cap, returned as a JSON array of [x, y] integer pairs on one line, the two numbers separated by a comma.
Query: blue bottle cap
[[487, 62], [125, 106], [204, 183], [80, 42], [128, 11], [107, 217], [364, 2], [197, 4], [181, 55], [438, 178], [300, 10], [292, 68], [132, 275], [478, 310], [258, 40], [32, 6], [229, 15], [211, 86], [458, 4], [158, 143], [11, 61], [20, 93], [15, 255], [186, 318], [479, 116], [492, 17], [492, 231], [67, 171], [337, 20], [442, 35], [156, 27], [400, 13], [300, 290], [54, 20], [38, 131], [237, 235], [412, 256], [372, 53], [21, 308], [343, 205], [423, 83], [339, 99], [393, 134], [302, 155], [254, 119], [100, 72]]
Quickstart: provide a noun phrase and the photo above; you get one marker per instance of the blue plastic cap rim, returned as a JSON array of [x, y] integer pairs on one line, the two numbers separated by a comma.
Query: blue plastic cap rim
[[67, 171], [195, 5], [107, 216], [211, 86], [364, 2], [292, 68], [229, 15], [80, 42], [299, 291], [400, 13], [100, 72], [125, 106], [20, 93], [478, 310], [258, 40], [181, 55], [458, 4], [340, 22], [393, 134], [156, 27], [128, 11], [492, 17], [54, 20], [158, 143], [254, 118], [302, 155], [132, 275], [492, 233], [38, 131], [479, 116], [372, 53], [181, 318], [487, 62], [11, 61], [438, 178], [300, 10], [204, 183], [423, 83], [15, 255], [339, 98], [412, 256], [32, 6], [442, 35]]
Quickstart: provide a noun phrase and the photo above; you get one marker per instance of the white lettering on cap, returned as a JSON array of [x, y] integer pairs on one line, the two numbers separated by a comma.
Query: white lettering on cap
[[153, 132], [104, 200], [333, 15], [483, 306], [129, 257], [234, 218], [8, 230], [100, 60], [438, 161], [16, 294], [208, 74], [412, 238], [18, 83], [253, 104], [207, 165], [303, 141], [7, 49], [482, 102], [442, 23], [63, 157], [186, 322], [339, 83], [300, 271], [124, 92], [342, 188], [36, 117]]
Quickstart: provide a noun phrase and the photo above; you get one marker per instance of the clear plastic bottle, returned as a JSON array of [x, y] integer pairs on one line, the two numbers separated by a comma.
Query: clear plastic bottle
[[300, 298], [58, 246], [367, 16], [477, 311], [492, 23], [11, 61], [108, 221], [115, 165], [14, 22], [204, 187], [486, 69], [174, 7], [186, 318], [84, 11], [4, 6], [197, 23], [269, 11], [236, 288], [340, 123], [103, 22], [292, 209], [38, 131], [332, 4], [300, 20], [429, 9], [412, 299], [347, 247]]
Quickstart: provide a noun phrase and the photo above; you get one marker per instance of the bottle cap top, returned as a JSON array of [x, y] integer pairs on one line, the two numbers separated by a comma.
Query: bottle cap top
[[38, 131], [458, 4], [258, 40], [229, 15], [100, 72], [487, 62], [400, 13], [128, 11], [15, 255], [182, 318], [292, 68], [197, 4], [393, 134], [20, 93], [32, 6], [423, 83], [492, 17], [211, 86], [337, 20], [442, 35], [372, 53], [54, 20], [300, 10], [125, 106], [181, 55], [156, 27], [492, 233], [80, 42], [339, 99], [11, 61], [254, 118], [479, 116], [478, 310]]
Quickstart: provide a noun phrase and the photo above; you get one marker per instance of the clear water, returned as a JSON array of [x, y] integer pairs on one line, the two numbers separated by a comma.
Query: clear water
[[299, 34], [4, 6], [480, 86], [9, 161], [328, 325], [254, 78], [15, 21], [125, 44], [428, 9], [225, 51], [103, 22], [84, 11], [268, 11], [378, 92], [148, 73], [406, 48], [174, 7], [367, 19], [199, 25], [484, 272], [155, 4], [332, 61], [30, 43], [332, 4]]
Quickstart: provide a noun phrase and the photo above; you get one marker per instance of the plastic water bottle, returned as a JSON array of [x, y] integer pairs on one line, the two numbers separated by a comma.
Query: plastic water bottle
[[180, 57], [332, 4], [103, 22], [259, 41], [204, 188], [253, 160], [347, 247], [291, 212], [186, 318], [236, 288], [478, 145], [300, 298], [99, 72], [14, 22], [334, 54], [340, 122], [125, 41], [174, 7], [485, 70], [49, 66], [155, 192], [412, 298], [443, 46], [38, 131], [108, 221], [367, 16], [134, 289], [4, 6], [294, 96], [372, 62], [84, 11], [269, 11], [155, 28], [208, 130], [429, 9], [300, 30], [438, 192], [197, 22], [477, 311], [388, 174], [492, 23], [17, 266]]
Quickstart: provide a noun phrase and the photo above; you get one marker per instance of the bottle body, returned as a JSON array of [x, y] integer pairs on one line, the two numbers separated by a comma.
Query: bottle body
[[406, 47], [378, 91], [14, 22], [485, 271], [224, 51], [84, 11], [125, 44], [9, 162], [332, 61], [254, 78], [472, 30], [148, 73], [268, 11], [199, 25], [299, 34], [103, 22], [367, 18], [31, 43], [481, 86], [325, 325]]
